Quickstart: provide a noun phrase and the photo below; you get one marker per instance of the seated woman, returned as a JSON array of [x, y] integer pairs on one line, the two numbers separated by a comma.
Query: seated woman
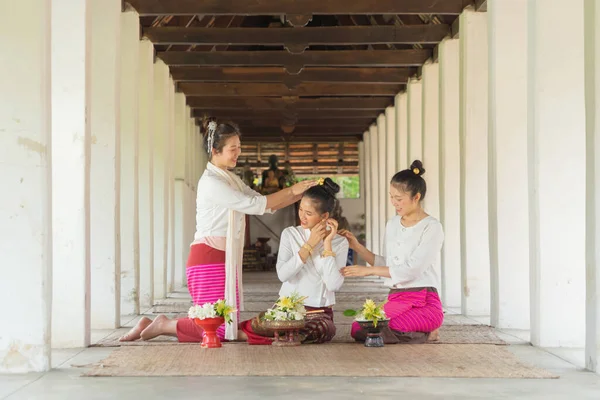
[[309, 261], [413, 241]]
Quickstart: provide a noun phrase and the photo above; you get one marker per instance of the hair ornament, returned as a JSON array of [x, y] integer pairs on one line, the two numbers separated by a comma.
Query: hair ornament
[[416, 171], [212, 127]]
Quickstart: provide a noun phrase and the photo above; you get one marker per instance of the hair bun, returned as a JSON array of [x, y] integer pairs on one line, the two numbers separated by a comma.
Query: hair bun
[[417, 167], [331, 187]]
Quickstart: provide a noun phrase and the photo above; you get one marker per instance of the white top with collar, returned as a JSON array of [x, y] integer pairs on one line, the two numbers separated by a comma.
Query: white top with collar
[[319, 277], [215, 197], [412, 253]]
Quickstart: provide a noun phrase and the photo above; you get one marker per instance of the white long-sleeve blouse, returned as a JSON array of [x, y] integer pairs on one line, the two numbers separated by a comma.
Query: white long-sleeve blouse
[[319, 278]]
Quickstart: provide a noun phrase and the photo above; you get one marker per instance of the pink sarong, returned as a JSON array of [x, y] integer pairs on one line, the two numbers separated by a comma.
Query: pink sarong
[[206, 283], [413, 314]]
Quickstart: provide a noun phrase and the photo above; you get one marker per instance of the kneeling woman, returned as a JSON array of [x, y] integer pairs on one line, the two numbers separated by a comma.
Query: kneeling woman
[[309, 262], [413, 241]]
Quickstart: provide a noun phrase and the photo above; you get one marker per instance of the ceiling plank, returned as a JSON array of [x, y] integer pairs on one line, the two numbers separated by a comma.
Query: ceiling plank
[[279, 89], [335, 35], [278, 74], [303, 130], [249, 115], [295, 7], [314, 123], [256, 103], [295, 62]]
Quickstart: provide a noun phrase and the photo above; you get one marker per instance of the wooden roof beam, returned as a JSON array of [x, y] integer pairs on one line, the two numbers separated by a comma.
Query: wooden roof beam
[[278, 74], [315, 115], [294, 63], [291, 104], [299, 39], [279, 89], [295, 7]]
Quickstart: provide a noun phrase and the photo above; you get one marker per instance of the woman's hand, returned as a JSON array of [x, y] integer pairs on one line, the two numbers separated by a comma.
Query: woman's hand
[[317, 233], [352, 240], [301, 187], [355, 271], [333, 226]]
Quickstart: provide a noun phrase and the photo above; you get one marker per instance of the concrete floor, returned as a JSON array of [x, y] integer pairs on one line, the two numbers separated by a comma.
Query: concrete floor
[[65, 382]]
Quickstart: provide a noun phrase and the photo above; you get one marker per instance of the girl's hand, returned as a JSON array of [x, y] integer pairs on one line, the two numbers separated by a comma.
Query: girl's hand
[[333, 226], [352, 240], [317, 233], [301, 187], [355, 271]]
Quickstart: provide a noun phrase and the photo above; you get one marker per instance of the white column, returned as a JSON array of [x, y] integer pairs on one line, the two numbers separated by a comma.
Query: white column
[[161, 192], [368, 191], [25, 151], [374, 174], [401, 102], [362, 168], [431, 142], [383, 180], [474, 160], [105, 167], [508, 218], [450, 172], [71, 174], [130, 250], [557, 158], [415, 121], [182, 216], [146, 175], [592, 75], [390, 169], [431, 136], [171, 187]]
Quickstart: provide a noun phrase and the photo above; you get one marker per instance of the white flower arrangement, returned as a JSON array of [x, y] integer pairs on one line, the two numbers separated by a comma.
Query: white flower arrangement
[[211, 310], [287, 309]]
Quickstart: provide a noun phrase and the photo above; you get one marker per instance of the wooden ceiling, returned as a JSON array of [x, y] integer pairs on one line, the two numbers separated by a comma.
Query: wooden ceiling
[[296, 70]]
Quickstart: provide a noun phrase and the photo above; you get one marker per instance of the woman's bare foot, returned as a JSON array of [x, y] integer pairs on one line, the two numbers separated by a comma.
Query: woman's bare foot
[[434, 336], [160, 326], [136, 331], [242, 337]]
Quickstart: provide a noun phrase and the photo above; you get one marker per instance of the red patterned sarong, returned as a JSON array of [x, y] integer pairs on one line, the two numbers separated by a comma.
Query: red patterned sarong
[[319, 328]]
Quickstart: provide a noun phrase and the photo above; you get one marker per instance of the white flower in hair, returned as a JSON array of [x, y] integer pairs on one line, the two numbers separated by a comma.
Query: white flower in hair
[[212, 127]]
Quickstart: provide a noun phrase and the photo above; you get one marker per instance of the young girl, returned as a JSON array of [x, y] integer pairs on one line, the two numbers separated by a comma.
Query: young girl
[[309, 262], [214, 266], [413, 241]]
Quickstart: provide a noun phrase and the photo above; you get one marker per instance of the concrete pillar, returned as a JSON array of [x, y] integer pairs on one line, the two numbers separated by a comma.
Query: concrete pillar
[[557, 154], [130, 243], [26, 211], [450, 172], [390, 168], [105, 167], [161, 191], [171, 187], [415, 121], [508, 217], [368, 191], [401, 102], [383, 181], [146, 171], [592, 76], [374, 174], [71, 174], [182, 132], [431, 136], [474, 160]]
